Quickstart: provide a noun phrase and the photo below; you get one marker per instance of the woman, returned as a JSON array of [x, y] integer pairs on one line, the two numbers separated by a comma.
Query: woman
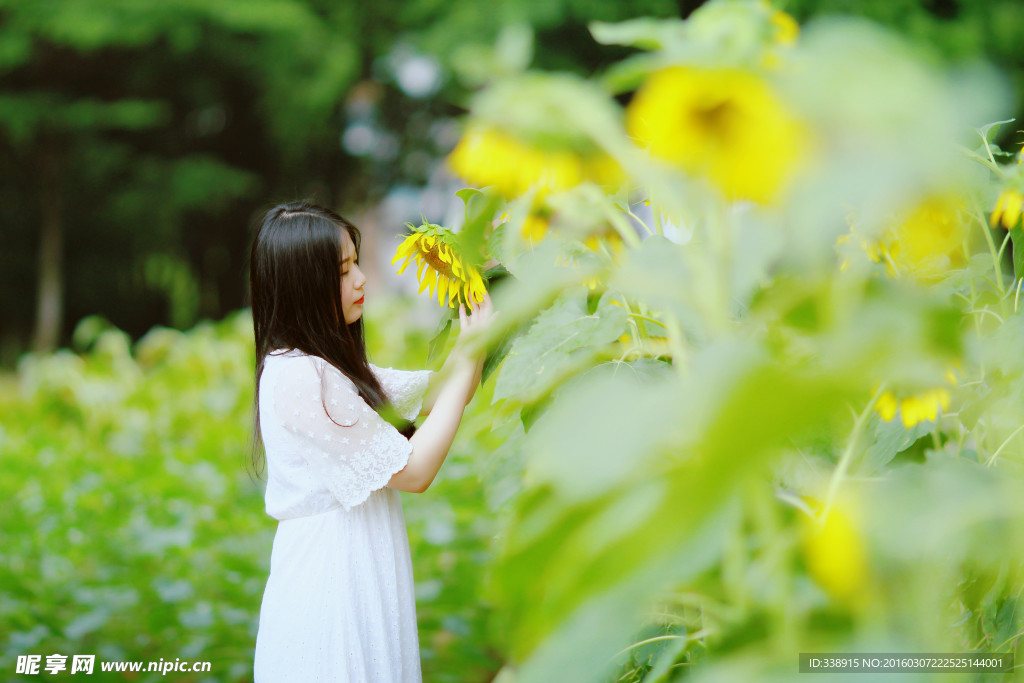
[[338, 604]]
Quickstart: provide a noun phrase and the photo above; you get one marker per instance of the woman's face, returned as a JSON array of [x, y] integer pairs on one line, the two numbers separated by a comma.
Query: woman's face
[[352, 280]]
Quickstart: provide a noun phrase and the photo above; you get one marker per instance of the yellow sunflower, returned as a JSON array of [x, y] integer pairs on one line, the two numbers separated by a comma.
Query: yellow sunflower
[[916, 408], [440, 265], [927, 241], [924, 242], [835, 552], [913, 409], [535, 227], [591, 249], [1008, 210], [722, 123], [487, 156]]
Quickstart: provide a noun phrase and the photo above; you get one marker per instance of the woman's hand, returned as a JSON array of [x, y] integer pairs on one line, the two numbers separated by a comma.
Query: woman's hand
[[473, 326]]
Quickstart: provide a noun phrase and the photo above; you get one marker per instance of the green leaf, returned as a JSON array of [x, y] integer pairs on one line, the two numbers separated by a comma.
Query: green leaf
[[467, 193], [644, 33], [992, 128], [530, 412], [670, 654], [657, 274], [890, 439], [563, 339], [440, 338], [513, 51], [479, 216], [1017, 237], [630, 73]]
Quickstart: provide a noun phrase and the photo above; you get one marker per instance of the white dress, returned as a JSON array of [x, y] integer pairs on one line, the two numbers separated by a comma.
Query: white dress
[[338, 604]]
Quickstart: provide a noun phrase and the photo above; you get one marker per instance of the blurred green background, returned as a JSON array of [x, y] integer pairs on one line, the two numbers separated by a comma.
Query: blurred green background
[[139, 141]]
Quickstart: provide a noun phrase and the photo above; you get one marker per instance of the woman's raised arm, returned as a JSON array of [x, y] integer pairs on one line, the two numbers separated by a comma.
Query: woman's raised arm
[[432, 440]]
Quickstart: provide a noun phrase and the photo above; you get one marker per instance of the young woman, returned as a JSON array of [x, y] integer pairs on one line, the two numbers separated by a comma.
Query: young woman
[[338, 604]]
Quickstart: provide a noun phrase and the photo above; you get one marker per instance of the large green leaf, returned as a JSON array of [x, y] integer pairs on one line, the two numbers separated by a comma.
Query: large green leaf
[[563, 339], [890, 438]]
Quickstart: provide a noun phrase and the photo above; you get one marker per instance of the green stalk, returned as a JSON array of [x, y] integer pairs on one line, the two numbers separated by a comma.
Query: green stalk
[[676, 343], [629, 212], [990, 163], [844, 460], [992, 458]]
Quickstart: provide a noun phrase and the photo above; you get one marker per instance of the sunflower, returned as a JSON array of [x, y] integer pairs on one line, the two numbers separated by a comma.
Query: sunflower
[[603, 246], [535, 227], [439, 264], [1008, 210], [723, 123], [924, 242], [927, 241], [487, 156], [916, 408], [835, 552]]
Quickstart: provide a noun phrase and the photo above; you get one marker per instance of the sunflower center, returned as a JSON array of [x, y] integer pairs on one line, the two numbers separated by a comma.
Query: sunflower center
[[716, 119], [434, 259]]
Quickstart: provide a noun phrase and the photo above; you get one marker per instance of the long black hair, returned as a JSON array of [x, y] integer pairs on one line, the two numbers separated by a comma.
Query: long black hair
[[295, 288]]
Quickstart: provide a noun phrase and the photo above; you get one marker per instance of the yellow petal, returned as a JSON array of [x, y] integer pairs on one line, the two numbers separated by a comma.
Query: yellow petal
[[408, 260], [1011, 209], [913, 410], [786, 28], [993, 220], [442, 289], [886, 406], [433, 277], [407, 247]]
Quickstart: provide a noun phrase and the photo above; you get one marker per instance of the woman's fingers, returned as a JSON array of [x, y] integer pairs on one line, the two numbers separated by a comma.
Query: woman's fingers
[[479, 315]]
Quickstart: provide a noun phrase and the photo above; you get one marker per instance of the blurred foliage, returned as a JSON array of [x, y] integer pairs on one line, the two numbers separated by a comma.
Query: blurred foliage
[[766, 386], [130, 522]]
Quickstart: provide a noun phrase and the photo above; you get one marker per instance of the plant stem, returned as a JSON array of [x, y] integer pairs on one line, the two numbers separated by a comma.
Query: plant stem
[[990, 164], [844, 460], [992, 458]]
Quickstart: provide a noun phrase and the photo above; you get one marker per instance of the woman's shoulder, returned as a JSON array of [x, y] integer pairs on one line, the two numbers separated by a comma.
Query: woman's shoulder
[[293, 362]]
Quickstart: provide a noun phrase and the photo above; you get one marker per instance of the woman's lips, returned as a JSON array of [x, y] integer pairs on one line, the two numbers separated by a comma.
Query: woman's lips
[[361, 299]]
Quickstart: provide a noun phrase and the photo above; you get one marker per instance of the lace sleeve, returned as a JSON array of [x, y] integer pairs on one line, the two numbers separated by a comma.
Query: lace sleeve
[[345, 442], [405, 389]]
